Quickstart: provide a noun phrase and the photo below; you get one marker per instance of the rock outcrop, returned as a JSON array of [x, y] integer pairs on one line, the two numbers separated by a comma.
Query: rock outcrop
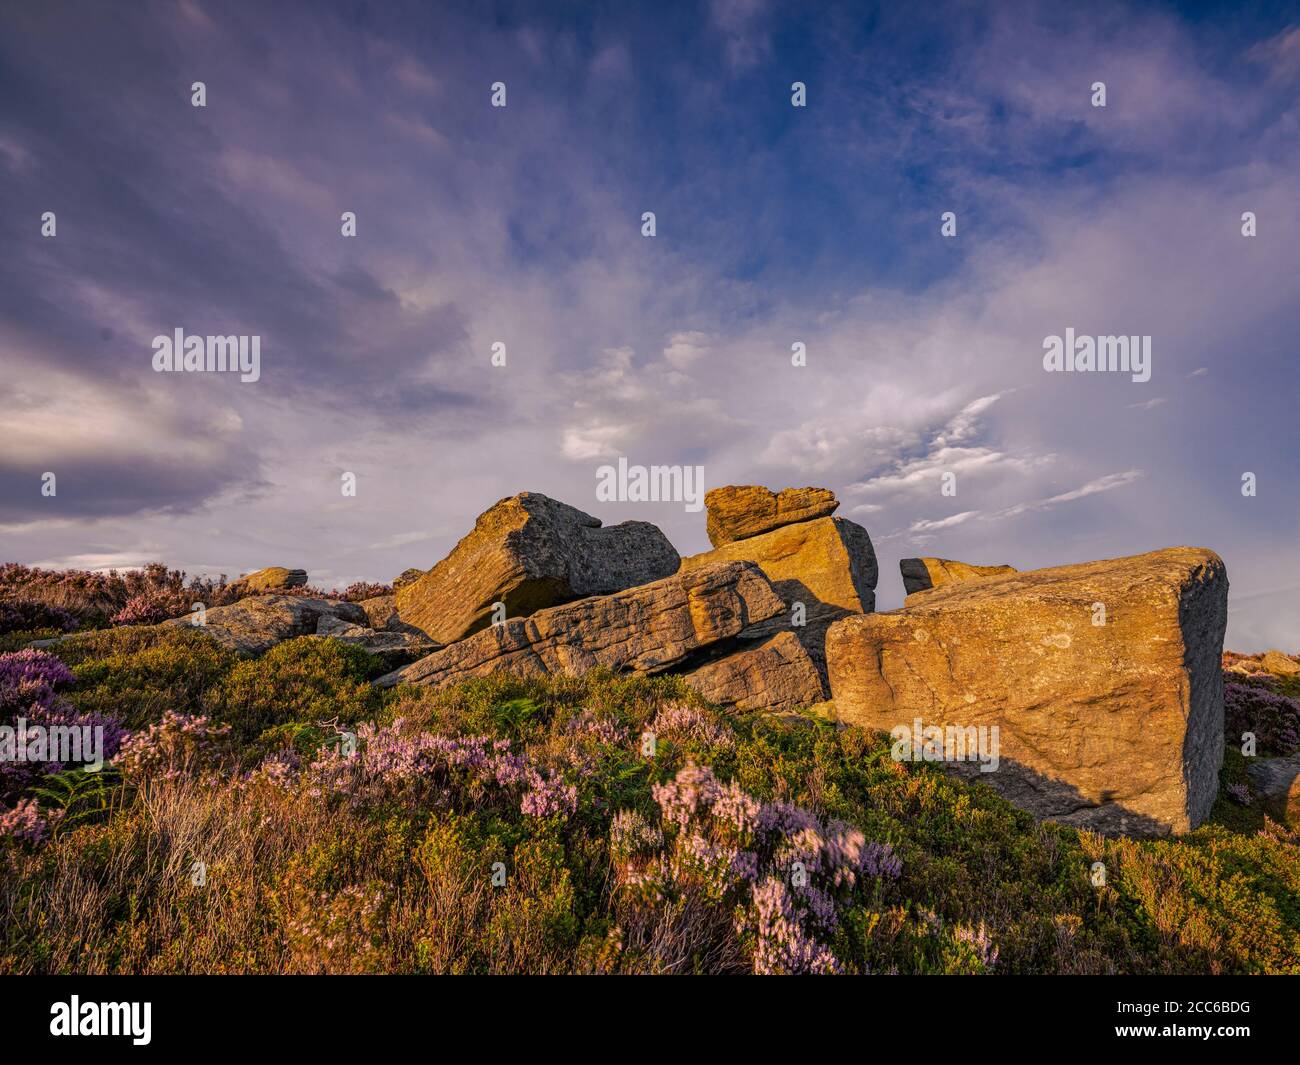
[[921, 574], [827, 564], [648, 629], [1102, 678], [530, 552], [270, 579], [772, 675], [259, 622], [739, 511]]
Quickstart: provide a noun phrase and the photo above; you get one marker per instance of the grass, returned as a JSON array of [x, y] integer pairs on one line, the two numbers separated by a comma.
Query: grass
[[445, 874]]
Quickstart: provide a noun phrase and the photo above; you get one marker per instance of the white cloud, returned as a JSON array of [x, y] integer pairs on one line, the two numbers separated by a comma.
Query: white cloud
[[684, 349]]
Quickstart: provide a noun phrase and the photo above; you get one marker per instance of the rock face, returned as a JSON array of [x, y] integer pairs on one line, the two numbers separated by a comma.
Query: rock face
[[775, 675], [1278, 782], [1116, 726], [648, 629], [531, 552], [258, 623], [827, 564], [381, 613], [920, 574], [273, 578], [738, 512]]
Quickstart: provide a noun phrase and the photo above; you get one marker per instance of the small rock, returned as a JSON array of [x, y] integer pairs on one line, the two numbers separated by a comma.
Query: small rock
[[409, 576], [1276, 662], [373, 640], [272, 578]]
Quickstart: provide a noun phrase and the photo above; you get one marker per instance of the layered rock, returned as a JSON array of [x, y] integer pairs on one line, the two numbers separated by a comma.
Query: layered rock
[[1116, 726], [738, 512], [921, 574], [647, 629], [270, 579], [827, 564], [776, 674], [257, 623], [529, 552]]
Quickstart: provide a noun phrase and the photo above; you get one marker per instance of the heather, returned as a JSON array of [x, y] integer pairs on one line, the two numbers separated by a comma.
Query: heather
[[508, 825], [32, 702], [66, 600], [1256, 707], [359, 590], [40, 603]]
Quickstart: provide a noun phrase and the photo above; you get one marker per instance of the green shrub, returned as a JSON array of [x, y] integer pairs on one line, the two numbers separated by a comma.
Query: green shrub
[[16, 641], [136, 674], [301, 680]]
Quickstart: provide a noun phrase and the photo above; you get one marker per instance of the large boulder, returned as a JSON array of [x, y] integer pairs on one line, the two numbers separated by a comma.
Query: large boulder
[[776, 674], [1103, 680], [738, 512], [921, 574], [827, 564], [258, 623], [270, 579], [647, 629], [530, 552]]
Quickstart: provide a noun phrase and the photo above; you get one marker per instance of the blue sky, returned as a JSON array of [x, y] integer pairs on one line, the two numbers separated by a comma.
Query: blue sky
[[775, 224]]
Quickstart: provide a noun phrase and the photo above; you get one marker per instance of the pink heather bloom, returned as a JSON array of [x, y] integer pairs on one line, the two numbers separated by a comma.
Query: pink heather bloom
[[785, 870], [386, 758], [26, 822], [985, 949], [172, 747], [29, 680], [685, 722]]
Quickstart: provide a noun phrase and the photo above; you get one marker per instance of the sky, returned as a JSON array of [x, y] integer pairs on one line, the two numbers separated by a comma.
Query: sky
[[774, 225]]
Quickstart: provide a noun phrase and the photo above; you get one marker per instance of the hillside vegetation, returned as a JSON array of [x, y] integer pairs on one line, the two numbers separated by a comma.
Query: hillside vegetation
[[281, 815]]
